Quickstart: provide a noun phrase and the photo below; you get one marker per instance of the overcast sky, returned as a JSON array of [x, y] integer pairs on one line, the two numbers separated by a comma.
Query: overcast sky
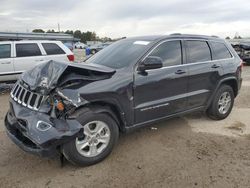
[[118, 18]]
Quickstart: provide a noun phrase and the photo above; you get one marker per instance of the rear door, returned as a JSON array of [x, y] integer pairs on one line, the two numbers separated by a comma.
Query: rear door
[[7, 72], [161, 92], [203, 72], [222, 55], [28, 55]]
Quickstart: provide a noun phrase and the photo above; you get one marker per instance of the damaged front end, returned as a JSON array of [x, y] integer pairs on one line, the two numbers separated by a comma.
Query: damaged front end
[[43, 101]]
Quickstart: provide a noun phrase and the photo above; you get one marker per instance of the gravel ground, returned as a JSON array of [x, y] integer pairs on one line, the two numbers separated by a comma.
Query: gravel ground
[[191, 151]]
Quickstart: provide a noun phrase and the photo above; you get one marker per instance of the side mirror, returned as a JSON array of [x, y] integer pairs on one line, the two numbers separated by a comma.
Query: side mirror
[[151, 62]]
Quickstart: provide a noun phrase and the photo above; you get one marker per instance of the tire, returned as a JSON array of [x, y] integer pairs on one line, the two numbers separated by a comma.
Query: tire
[[220, 102], [86, 156]]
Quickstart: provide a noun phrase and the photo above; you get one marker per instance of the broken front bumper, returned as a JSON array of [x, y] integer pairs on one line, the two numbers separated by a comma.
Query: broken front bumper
[[38, 133]]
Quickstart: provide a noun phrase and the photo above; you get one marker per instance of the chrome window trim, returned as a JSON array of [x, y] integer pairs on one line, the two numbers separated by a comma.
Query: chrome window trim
[[188, 64], [185, 64]]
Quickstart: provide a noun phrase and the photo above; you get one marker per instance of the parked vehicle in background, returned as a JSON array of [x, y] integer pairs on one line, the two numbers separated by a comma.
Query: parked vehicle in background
[[134, 82], [69, 45], [96, 48], [243, 50], [80, 45], [19, 56]]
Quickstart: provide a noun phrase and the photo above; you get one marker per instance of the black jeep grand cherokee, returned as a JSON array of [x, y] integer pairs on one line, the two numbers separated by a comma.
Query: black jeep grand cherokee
[[78, 110]]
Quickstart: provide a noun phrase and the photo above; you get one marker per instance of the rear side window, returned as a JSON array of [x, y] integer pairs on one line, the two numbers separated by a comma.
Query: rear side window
[[198, 51], [5, 51], [52, 49], [169, 52], [220, 51], [25, 50]]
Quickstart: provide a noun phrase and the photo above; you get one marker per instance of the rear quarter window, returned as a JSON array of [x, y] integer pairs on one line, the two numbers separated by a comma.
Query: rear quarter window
[[198, 51], [220, 51], [25, 50], [52, 49], [5, 51]]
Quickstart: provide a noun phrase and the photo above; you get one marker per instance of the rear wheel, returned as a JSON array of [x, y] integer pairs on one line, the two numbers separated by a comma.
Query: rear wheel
[[222, 103], [96, 141]]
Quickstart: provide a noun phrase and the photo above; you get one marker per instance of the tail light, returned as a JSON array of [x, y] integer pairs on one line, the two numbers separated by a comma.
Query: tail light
[[71, 57]]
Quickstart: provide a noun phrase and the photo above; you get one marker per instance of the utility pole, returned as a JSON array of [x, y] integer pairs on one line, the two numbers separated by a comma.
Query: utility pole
[[58, 27]]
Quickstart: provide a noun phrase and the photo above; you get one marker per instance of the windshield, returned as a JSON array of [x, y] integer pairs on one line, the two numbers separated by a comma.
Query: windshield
[[120, 54]]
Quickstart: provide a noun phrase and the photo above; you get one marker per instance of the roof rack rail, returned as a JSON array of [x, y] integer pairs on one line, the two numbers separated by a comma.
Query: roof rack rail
[[175, 34], [214, 36]]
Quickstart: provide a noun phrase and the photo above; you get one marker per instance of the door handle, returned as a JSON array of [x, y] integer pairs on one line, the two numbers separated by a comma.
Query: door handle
[[39, 60], [215, 66], [180, 71], [5, 63]]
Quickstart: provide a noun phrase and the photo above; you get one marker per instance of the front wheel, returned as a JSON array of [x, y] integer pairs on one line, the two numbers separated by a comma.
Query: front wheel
[[222, 103], [96, 141]]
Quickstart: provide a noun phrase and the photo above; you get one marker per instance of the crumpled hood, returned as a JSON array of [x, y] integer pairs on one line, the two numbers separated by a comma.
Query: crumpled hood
[[47, 76]]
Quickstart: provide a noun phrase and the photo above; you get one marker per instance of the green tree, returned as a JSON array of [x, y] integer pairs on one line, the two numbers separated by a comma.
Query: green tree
[[38, 31], [71, 32], [227, 37], [77, 34], [51, 31]]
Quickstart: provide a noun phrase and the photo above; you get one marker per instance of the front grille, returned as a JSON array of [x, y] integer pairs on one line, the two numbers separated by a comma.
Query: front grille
[[25, 97]]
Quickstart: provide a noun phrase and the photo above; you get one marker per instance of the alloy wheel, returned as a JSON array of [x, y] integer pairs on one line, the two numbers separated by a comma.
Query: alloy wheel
[[224, 102], [96, 137]]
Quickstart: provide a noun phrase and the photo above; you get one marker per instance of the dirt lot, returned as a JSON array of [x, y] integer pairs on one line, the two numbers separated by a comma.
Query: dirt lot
[[191, 151]]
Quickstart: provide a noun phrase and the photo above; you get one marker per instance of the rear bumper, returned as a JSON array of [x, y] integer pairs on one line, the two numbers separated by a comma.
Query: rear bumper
[[22, 128]]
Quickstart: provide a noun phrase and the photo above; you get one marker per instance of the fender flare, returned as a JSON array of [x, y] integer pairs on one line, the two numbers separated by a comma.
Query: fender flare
[[218, 86], [95, 108]]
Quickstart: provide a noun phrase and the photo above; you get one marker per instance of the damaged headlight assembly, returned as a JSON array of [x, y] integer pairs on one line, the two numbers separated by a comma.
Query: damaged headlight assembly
[[62, 103]]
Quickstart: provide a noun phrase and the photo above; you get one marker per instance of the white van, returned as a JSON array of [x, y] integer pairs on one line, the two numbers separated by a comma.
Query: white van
[[19, 56]]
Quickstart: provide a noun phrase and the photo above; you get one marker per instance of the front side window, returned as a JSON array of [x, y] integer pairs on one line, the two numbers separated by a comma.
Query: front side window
[[198, 51], [220, 51], [169, 52], [52, 49], [25, 50], [5, 51]]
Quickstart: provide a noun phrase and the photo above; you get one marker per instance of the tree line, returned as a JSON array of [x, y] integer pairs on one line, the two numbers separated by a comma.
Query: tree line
[[83, 36]]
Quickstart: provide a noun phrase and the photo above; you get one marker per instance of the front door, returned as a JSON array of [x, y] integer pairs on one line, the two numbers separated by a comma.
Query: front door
[[161, 92], [7, 72]]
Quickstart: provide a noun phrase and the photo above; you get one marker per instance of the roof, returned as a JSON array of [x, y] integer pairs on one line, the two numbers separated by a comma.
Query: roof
[[31, 41], [175, 35], [36, 36]]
